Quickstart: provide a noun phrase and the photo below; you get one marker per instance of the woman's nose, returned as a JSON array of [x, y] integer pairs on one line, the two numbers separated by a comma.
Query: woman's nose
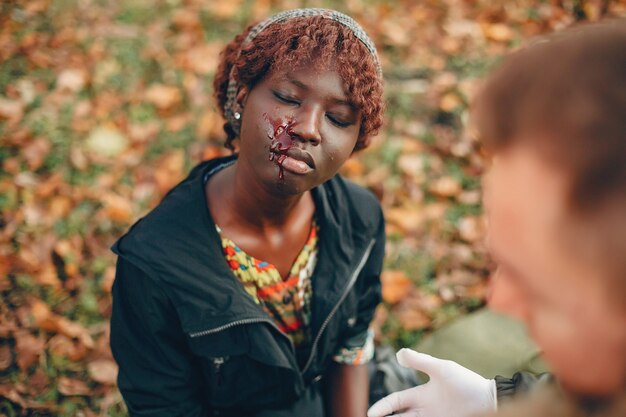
[[307, 125]]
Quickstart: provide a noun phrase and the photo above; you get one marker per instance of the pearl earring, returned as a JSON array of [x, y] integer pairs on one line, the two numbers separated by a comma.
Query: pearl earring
[[237, 115]]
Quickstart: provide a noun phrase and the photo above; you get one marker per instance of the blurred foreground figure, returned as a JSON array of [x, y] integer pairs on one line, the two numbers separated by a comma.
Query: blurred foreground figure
[[553, 118]]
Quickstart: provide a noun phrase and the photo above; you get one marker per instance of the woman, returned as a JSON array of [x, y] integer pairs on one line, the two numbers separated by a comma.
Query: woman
[[249, 290]]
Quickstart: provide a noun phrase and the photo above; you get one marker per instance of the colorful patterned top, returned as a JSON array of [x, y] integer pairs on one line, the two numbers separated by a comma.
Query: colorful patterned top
[[288, 301]]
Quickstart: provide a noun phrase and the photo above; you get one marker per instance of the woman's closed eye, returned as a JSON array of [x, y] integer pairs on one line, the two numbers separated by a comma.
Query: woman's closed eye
[[338, 121], [286, 98]]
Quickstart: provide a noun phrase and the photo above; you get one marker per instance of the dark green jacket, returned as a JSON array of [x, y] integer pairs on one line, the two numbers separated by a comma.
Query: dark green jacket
[[190, 341]]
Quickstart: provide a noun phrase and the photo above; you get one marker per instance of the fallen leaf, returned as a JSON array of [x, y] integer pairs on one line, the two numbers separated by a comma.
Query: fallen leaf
[[11, 109], [472, 228], [413, 319], [407, 219], [103, 371], [78, 158], [470, 197], [178, 122], [7, 326], [445, 187], [395, 286], [164, 97], [11, 393], [27, 91], [478, 290], [11, 166], [186, 19], [46, 320], [60, 207], [28, 348], [144, 131], [458, 278], [72, 80], [117, 208], [63, 346], [106, 141], [430, 302], [380, 317], [225, 9], [450, 102], [395, 33], [202, 59], [498, 32], [108, 278], [6, 357], [353, 168], [210, 125], [170, 171], [445, 80], [71, 387], [210, 152], [38, 382], [47, 276], [412, 165]]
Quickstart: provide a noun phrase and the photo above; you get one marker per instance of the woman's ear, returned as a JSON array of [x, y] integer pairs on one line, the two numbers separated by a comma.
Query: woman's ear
[[242, 96]]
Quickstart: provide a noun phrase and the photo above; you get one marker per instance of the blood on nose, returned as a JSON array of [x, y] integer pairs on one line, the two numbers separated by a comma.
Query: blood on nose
[[280, 133]]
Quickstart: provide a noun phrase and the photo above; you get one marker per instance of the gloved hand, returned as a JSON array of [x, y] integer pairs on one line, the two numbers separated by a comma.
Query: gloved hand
[[452, 391]]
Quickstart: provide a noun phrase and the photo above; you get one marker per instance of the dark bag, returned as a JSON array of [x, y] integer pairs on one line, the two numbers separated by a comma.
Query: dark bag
[[387, 375]]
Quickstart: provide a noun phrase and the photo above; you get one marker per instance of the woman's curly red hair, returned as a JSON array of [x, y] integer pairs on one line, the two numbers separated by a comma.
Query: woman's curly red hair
[[301, 41]]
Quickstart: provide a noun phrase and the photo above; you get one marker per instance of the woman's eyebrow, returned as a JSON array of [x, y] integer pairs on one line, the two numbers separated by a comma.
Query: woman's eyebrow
[[298, 83], [344, 102], [335, 100]]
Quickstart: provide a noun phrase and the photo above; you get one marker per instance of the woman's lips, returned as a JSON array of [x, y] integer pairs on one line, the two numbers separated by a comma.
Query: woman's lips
[[295, 160], [296, 166]]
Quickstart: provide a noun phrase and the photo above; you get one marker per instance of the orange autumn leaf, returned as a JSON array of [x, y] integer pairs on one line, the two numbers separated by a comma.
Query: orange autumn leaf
[[412, 318], [164, 97], [169, 171], [117, 208], [103, 371], [445, 187], [46, 320], [63, 346], [472, 228], [71, 386], [6, 357], [35, 152], [395, 286], [406, 219], [353, 168], [28, 349]]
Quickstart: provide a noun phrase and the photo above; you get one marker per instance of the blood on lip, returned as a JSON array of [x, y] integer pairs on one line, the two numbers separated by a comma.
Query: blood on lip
[[281, 135]]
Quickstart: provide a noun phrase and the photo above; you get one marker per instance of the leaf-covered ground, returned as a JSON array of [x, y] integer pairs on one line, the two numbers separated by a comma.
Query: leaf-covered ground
[[105, 105]]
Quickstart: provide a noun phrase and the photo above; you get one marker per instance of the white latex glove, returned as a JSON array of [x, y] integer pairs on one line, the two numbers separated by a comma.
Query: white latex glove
[[452, 391]]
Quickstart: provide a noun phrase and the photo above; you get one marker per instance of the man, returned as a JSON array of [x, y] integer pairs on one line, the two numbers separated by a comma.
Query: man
[[553, 118]]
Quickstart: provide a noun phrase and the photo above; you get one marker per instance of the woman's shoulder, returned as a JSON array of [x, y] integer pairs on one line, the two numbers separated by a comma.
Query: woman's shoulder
[[353, 201], [179, 227], [340, 188]]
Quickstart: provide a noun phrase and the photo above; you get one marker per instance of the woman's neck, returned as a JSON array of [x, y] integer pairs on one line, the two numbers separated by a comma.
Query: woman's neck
[[246, 201]]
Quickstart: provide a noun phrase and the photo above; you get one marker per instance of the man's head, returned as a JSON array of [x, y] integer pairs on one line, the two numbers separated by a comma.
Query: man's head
[[553, 117]]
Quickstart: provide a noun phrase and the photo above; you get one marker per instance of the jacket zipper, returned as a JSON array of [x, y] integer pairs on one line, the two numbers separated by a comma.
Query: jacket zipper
[[351, 283], [239, 323], [217, 364]]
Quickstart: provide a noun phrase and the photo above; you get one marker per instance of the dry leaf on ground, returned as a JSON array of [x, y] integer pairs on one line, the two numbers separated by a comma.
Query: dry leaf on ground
[[396, 286]]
